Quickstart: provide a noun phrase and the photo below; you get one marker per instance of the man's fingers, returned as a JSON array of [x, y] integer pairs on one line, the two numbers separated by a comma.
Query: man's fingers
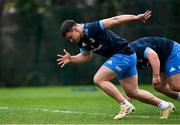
[[60, 59], [147, 17], [147, 12], [60, 63], [60, 55], [156, 83], [65, 51], [63, 65]]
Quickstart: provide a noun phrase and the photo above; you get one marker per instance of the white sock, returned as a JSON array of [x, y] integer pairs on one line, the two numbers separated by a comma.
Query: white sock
[[178, 98], [163, 105], [125, 102]]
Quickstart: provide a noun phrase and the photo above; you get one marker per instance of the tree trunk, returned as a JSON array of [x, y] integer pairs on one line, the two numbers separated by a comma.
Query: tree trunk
[[2, 2]]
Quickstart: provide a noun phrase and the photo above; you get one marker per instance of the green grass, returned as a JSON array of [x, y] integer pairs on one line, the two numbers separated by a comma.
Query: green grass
[[76, 105]]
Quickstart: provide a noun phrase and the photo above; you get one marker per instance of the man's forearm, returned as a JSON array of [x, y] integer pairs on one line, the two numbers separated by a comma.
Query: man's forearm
[[155, 64], [154, 61], [79, 58], [124, 18], [155, 68], [117, 20]]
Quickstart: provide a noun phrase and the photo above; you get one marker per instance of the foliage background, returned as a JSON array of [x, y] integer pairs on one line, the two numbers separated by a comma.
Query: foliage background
[[30, 37]]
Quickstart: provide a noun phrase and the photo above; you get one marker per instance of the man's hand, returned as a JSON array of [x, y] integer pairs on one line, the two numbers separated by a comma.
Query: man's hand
[[64, 59], [156, 79], [145, 16]]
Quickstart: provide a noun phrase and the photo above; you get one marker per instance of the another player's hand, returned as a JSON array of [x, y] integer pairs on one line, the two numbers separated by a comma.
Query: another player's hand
[[156, 79], [145, 16], [64, 59]]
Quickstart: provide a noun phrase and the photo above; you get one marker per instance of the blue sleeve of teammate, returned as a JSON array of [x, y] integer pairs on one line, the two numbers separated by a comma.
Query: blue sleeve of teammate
[[146, 51]]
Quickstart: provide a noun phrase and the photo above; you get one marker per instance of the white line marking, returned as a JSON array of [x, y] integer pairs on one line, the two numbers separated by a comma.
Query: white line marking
[[4, 107], [75, 112]]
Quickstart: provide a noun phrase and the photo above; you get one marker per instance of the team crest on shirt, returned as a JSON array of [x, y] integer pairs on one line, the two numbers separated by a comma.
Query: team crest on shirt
[[84, 44]]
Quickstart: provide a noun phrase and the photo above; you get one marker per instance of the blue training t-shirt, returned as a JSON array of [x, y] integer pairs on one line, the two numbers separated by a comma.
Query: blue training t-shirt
[[161, 46], [102, 41]]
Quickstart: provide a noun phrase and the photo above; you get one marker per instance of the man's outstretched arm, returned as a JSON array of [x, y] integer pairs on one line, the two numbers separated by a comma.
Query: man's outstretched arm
[[79, 58], [117, 20]]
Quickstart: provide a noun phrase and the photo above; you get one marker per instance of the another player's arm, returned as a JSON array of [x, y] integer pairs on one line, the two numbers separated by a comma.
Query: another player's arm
[[79, 58], [153, 58], [117, 20]]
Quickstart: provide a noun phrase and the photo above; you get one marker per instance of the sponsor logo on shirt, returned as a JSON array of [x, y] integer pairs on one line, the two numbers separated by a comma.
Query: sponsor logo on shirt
[[172, 69]]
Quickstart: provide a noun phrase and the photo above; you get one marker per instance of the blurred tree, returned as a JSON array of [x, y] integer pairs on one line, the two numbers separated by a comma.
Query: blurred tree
[[31, 36], [2, 3]]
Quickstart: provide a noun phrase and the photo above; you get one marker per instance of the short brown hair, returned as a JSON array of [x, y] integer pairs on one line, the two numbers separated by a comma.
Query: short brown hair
[[67, 26]]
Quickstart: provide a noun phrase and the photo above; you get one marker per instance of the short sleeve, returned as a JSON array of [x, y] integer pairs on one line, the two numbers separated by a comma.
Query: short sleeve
[[101, 23], [146, 52]]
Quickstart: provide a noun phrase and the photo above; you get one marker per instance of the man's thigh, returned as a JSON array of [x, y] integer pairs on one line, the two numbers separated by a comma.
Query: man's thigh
[[174, 80], [105, 74]]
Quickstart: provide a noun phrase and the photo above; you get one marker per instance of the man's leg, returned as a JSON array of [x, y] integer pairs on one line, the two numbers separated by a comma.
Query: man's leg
[[174, 82], [131, 88], [102, 79], [164, 88]]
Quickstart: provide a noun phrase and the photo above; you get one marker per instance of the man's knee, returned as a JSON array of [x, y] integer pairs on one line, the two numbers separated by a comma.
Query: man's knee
[[174, 82], [175, 86], [132, 94], [97, 81]]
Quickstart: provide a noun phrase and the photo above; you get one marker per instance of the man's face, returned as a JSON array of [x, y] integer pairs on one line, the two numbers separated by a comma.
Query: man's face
[[73, 35]]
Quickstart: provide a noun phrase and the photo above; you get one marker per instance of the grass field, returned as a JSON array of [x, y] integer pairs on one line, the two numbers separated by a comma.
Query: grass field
[[74, 105]]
